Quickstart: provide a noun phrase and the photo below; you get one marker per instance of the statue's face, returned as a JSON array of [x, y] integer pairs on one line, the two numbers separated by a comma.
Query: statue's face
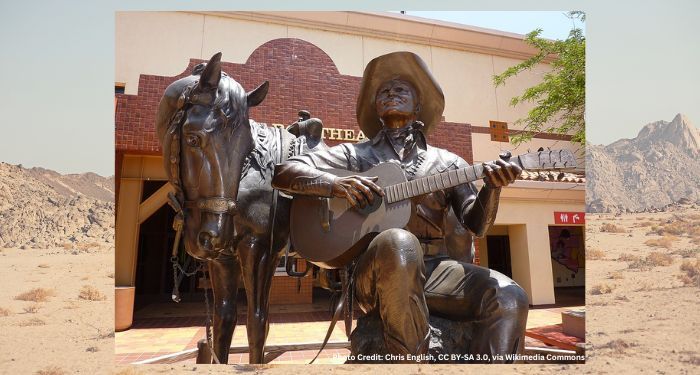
[[396, 98]]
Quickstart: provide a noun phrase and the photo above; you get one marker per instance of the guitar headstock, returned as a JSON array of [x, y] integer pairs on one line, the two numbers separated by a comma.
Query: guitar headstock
[[547, 159]]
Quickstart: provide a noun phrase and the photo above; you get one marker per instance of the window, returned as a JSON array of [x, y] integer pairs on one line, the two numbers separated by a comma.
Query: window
[[118, 89]]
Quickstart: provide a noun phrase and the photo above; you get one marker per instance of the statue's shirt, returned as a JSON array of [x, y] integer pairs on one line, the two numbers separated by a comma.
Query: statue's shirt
[[406, 147]]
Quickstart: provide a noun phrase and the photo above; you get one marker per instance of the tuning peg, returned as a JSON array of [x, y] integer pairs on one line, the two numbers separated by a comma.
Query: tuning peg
[[540, 149]]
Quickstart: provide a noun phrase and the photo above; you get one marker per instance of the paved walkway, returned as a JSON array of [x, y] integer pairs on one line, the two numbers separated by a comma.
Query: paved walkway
[[161, 329]]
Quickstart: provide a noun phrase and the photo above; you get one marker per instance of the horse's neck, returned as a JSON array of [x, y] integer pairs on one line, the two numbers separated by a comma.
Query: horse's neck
[[266, 144]]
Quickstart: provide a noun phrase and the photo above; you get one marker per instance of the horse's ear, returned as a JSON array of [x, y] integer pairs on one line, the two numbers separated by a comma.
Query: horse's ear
[[212, 73], [256, 96]]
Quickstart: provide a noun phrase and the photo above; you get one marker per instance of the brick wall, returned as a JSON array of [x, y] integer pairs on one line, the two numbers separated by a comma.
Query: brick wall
[[301, 76]]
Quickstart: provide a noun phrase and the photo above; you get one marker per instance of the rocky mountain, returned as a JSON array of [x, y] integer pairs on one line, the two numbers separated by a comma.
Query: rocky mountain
[[72, 185], [657, 168], [40, 208]]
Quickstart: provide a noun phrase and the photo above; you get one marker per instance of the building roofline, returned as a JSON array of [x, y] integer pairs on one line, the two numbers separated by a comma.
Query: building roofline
[[399, 27]]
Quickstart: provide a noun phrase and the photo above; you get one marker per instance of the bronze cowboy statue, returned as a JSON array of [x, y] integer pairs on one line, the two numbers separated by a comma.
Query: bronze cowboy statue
[[400, 275]]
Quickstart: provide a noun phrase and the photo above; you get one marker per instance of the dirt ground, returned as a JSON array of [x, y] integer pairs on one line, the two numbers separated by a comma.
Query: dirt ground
[[642, 308], [55, 329]]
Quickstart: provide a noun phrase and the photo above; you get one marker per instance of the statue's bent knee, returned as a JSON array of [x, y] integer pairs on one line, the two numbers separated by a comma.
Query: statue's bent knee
[[397, 247], [513, 298]]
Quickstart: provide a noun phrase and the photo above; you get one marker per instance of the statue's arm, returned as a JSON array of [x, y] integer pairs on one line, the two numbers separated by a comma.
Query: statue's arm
[[476, 211], [479, 213], [303, 174], [298, 178]]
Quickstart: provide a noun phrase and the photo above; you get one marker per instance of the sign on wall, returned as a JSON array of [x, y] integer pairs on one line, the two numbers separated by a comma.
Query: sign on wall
[[569, 218]]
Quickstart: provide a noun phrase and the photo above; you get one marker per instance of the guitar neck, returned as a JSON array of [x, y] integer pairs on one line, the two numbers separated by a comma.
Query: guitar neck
[[540, 160], [433, 183]]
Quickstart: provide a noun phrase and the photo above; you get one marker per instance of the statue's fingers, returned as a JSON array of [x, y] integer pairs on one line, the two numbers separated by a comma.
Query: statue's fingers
[[371, 182], [489, 175], [509, 171], [359, 197], [350, 198], [367, 193], [500, 174]]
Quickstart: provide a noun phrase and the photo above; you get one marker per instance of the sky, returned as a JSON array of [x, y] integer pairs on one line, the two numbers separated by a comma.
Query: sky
[[57, 66], [554, 24]]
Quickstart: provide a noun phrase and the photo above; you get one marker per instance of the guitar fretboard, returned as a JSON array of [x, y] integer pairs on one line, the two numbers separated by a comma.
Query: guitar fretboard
[[550, 159], [432, 183]]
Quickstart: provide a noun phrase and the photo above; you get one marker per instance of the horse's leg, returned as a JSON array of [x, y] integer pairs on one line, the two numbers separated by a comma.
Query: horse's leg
[[258, 268], [224, 273]]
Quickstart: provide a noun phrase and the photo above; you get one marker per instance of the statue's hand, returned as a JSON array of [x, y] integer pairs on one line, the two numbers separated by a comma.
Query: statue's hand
[[358, 190], [500, 173]]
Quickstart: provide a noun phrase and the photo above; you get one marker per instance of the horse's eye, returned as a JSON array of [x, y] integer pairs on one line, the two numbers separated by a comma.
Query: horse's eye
[[193, 141]]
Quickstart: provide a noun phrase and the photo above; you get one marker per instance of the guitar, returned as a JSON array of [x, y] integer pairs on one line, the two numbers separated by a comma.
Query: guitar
[[330, 232]]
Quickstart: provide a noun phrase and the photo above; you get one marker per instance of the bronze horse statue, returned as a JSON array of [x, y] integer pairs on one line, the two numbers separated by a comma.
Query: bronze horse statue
[[220, 164]]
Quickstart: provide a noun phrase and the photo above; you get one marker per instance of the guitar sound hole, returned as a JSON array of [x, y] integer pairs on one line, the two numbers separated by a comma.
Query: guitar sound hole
[[373, 207]]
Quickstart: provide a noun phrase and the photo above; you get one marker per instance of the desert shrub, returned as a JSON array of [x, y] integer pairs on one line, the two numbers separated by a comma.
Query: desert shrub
[[5, 312], [690, 272], [90, 293], [645, 224], [602, 289], [84, 246], [67, 245], [595, 253], [654, 259], [639, 264], [627, 257], [32, 322], [618, 346], [616, 275], [679, 227], [51, 370], [612, 228], [36, 295], [687, 253], [665, 242], [659, 259], [32, 309]]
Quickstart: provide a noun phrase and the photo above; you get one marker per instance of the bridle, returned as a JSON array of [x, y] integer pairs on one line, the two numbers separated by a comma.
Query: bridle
[[216, 205]]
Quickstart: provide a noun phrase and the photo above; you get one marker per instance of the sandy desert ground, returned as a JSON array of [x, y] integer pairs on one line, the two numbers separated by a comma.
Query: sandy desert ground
[[56, 311], [642, 301]]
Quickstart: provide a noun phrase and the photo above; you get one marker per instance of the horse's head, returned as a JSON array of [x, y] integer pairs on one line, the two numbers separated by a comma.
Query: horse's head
[[203, 125]]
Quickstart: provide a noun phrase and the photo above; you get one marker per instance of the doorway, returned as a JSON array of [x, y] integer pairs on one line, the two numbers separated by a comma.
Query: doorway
[[498, 249]]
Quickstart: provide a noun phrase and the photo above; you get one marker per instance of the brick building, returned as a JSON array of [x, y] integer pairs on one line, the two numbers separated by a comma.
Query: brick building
[[314, 61]]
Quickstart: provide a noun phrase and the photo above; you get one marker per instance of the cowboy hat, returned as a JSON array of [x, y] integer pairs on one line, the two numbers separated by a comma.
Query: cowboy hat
[[406, 66]]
